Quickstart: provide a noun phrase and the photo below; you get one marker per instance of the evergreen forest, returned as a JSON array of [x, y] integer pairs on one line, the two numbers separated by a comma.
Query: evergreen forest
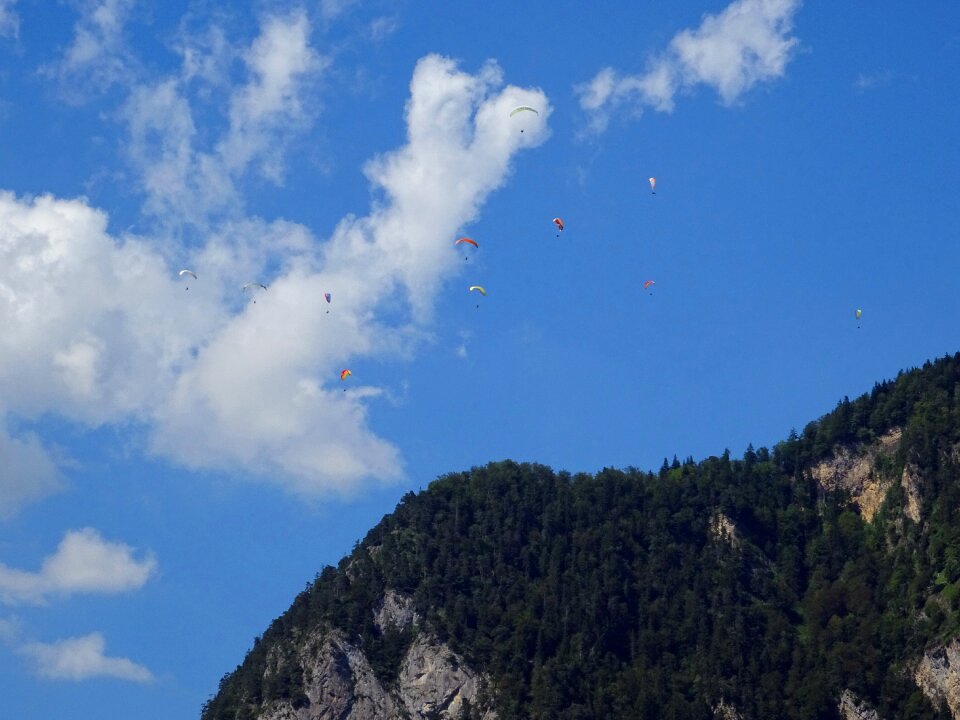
[[613, 595]]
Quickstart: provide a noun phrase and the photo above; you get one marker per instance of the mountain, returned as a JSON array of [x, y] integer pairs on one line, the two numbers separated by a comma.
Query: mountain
[[816, 579]]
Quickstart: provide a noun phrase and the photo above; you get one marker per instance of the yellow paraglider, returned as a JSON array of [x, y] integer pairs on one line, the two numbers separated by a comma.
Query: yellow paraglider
[[523, 108], [480, 290]]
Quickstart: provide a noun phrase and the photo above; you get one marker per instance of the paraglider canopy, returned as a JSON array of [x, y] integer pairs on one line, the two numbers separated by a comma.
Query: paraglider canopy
[[653, 185], [467, 241], [480, 290], [252, 288], [191, 273], [344, 374], [858, 313], [648, 283], [523, 108]]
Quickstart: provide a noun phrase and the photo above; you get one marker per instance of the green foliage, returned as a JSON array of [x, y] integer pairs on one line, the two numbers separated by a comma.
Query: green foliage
[[609, 595]]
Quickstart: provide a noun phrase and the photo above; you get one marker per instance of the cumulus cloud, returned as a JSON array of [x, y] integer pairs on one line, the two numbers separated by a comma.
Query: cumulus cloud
[[98, 329], [83, 563], [9, 20], [747, 43], [288, 421], [82, 658], [97, 57]]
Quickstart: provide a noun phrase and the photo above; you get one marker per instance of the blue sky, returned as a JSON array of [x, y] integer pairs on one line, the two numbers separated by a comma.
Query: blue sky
[[176, 464]]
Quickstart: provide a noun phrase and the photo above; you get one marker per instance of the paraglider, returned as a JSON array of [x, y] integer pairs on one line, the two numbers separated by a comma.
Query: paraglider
[[523, 108], [653, 186], [858, 314], [467, 241], [252, 287], [344, 374], [327, 297], [191, 273], [648, 283], [480, 290], [559, 223]]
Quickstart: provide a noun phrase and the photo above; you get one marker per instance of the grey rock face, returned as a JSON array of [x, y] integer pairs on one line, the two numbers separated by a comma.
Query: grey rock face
[[395, 610], [938, 676], [340, 684], [853, 708], [433, 679]]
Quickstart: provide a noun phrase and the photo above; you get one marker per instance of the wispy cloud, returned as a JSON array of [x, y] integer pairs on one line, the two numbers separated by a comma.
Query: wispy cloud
[[747, 43], [870, 81], [83, 563], [98, 56], [27, 473], [265, 110], [332, 9], [187, 183], [383, 27], [9, 20], [82, 658]]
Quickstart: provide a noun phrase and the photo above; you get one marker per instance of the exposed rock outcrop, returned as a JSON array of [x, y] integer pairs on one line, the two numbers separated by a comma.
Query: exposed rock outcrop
[[853, 708], [340, 684], [910, 483], [853, 470], [725, 711], [434, 680], [938, 676], [723, 529], [395, 610]]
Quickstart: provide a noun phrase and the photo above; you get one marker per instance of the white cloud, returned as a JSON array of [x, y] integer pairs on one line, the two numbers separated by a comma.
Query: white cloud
[[291, 421], [27, 474], [9, 20], [98, 329], [747, 43], [97, 57], [263, 112], [83, 563], [82, 658], [185, 183]]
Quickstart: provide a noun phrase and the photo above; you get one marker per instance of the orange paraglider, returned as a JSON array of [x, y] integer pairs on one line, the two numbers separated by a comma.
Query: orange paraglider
[[467, 241], [559, 223]]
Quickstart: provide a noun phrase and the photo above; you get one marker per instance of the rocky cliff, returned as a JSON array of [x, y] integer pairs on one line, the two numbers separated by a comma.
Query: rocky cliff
[[857, 470], [340, 683], [938, 676]]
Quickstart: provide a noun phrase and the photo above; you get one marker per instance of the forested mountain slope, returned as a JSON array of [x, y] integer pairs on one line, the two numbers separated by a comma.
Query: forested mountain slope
[[816, 579]]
